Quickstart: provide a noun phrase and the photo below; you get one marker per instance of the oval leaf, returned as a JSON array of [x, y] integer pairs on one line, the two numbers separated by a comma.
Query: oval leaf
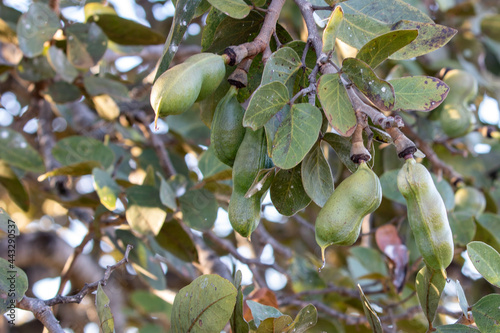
[[486, 260], [199, 209], [9, 272], [262, 312], [317, 176], [281, 66], [370, 314], [205, 305], [14, 187], [380, 48], [107, 189], [86, 44], [18, 153], [173, 238], [144, 212], [336, 104], [275, 325], [100, 86], [342, 147], [237, 9], [490, 222], [430, 285], [287, 192], [306, 318], [462, 226], [266, 101], [35, 27], [60, 63], [104, 311], [296, 135], [77, 149], [486, 313], [331, 29], [378, 91], [430, 37], [419, 93]]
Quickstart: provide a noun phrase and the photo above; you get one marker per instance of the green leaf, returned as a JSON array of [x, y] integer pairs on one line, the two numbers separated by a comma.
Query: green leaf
[[205, 305], [296, 135], [342, 147], [60, 63], [486, 313], [272, 126], [77, 169], [317, 176], [107, 189], [378, 91], [265, 103], [462, 226], [184, 12], [419, 93], [261, 312], [370, 314], [238, 322], [455, 328], [7, 225], [199, 209], [275, 325], [430, 38], [35, 27], [144, 211], [370, 259], [281, 66], [237, 9], [331, 29], [486, 260], [9, 273], [306, 318], [167, 194], [380, 48], [173, 238], [336, 104], [142, 259], [147, 302], [18, 153], [14, 187], [232, 31], [120, 30], [214, 18], [366, 19], [62, 92], [430, 285], [490, 222], [35, 69], [462, 300], [287, 192], [77, 149], [210, 165], [86, 44], [104, 311], [490, 26], [101, 86]]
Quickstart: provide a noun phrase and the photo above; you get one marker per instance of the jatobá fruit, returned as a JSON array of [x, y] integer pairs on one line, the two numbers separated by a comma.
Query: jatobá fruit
[[426, 214], [181, 86], [339, 221]]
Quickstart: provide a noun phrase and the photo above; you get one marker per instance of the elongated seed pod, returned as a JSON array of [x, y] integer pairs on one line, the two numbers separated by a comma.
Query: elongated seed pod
[[339, 221], [227, 130], [244, 213], [426, 214], [181, 86]]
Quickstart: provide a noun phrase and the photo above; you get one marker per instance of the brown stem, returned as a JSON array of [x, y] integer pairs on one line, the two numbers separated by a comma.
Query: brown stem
[[239, 78], [42, 312], [237, 53], [359, 153]]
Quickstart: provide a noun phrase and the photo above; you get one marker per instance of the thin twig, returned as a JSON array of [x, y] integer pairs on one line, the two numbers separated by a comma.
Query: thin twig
[[89, 288]]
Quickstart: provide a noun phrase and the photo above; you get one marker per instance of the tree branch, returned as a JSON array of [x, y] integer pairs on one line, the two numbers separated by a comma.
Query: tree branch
[[238, 53], [42, 312]]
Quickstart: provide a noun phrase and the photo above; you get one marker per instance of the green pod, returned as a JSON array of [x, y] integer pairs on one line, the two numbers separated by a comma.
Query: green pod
[[244, 213], [426, 214], [470, 200], [181, 86], [227, 130], [339, 221], [456, 120]]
